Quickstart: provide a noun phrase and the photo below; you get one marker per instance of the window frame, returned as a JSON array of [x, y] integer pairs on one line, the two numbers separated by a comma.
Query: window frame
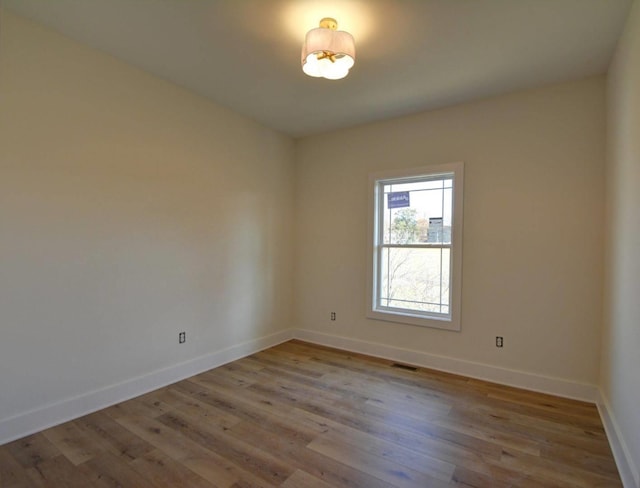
[[376, 204]]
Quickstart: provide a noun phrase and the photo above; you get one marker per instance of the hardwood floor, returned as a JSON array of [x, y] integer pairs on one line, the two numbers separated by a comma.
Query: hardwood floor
[[303, 416]]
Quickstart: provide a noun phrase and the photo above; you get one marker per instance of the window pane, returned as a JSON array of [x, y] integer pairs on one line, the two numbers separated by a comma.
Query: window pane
[[445, 263], [415, 279], [403, 226], [447, 206], [426, 218]]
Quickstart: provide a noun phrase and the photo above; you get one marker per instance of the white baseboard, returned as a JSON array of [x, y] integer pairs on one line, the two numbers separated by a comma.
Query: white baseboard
[[53, 414], [519, 379], [629, 472]]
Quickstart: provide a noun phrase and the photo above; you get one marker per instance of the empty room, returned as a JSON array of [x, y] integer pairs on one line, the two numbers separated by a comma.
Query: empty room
[[301, 243]]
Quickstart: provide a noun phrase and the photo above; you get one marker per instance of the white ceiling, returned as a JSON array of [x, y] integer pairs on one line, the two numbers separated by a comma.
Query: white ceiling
[[412, 55]]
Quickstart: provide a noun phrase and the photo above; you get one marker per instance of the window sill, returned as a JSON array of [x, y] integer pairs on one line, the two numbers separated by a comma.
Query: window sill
[[421, 321]]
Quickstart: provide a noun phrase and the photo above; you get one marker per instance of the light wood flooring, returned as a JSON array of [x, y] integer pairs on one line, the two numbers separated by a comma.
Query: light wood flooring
[[300, 415]]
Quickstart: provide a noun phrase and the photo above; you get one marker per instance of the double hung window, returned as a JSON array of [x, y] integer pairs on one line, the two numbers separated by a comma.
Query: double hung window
[[416, 243]]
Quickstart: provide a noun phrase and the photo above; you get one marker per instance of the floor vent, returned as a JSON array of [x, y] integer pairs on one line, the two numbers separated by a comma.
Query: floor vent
[[404, 366]]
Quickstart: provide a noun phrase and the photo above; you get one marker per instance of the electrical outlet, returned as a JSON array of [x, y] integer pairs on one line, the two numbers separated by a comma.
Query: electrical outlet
[[499, 341], [333, 315], [182, 337]]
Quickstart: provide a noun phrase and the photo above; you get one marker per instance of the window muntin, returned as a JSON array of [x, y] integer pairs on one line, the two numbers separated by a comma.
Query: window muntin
[[415, 277]]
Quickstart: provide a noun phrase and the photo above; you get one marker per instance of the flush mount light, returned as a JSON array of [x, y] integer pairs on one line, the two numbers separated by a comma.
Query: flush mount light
[[328, 52]]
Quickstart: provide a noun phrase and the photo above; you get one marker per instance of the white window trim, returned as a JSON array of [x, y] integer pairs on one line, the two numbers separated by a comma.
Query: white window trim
[[403, 316]]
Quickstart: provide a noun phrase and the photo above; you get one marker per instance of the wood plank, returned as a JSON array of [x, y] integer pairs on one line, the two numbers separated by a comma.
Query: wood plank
[[72, 442], [302, 479], [209, 465], [544, 430], [32, 450], [109, 435], [214, 438], [437, 448], [381, 468], [485, 432], [269, 416], [401, 455], [555, 473], [165, 472], [324, 468], [146, 405], [12, 473], [594, 463], [56, 472], [195, 408], [104, 471], [498, 478]]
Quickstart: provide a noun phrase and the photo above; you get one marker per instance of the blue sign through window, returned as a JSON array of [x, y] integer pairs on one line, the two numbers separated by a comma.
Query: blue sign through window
[[398, 199]]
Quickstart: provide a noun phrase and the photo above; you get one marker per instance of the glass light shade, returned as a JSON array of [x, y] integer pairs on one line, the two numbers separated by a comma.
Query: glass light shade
[[328, 53]]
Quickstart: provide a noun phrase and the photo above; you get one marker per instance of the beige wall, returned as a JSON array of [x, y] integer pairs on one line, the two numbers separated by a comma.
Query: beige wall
[[620, 377], [533, 213], [130, 210]]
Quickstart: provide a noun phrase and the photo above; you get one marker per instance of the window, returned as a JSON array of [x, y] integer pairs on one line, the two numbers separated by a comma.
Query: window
[[416, 246]]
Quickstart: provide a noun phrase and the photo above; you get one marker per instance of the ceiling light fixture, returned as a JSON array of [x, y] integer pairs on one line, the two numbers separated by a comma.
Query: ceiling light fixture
[[328, 52]]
